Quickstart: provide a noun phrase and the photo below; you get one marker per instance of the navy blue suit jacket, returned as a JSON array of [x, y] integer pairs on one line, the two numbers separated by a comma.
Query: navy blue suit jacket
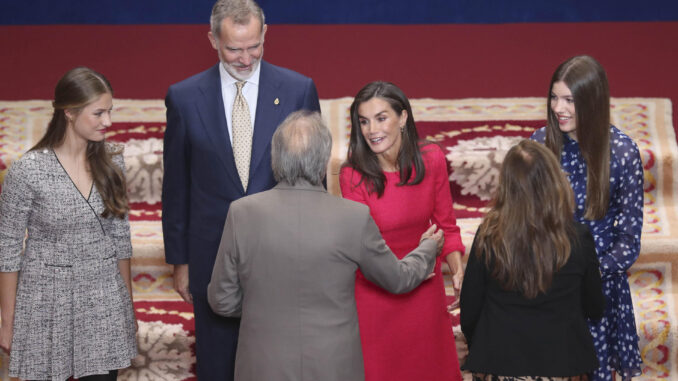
[[200, 177]]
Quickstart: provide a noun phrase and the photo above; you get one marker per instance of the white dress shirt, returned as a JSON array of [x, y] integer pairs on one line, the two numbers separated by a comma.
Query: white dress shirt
[[228, 92]]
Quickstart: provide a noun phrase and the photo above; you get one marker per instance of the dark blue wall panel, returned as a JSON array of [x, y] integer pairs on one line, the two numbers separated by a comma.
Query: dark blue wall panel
[[30, 12]]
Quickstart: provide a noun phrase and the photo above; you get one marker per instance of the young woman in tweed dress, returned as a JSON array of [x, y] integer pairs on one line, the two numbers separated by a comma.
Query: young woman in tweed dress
[[66, 303]]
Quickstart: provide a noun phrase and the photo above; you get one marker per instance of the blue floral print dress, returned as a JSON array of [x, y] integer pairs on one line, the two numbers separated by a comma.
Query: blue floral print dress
[[617, 238]]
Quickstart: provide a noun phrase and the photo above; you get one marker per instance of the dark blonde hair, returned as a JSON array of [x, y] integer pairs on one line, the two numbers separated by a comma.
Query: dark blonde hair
[[360, 156], [527, 234], [75, 90], [587, 81]]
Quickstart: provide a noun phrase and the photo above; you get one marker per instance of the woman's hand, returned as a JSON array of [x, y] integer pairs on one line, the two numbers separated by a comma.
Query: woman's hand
[[8, 285], [457, 269], [6, 334]]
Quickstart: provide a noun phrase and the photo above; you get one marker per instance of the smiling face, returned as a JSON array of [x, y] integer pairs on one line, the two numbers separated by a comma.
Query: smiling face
[[239, 46], [381, 127], [562, 105], [91, 122]]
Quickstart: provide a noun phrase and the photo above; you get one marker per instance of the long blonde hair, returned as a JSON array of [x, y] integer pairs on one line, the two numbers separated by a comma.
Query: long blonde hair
[[526, 236]]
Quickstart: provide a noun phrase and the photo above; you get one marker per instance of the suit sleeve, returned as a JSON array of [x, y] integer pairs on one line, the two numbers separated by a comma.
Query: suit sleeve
[[379, 265], [593, 300], [175, 184], [224, 293], [311, 101], [120, 231], [472, 296]]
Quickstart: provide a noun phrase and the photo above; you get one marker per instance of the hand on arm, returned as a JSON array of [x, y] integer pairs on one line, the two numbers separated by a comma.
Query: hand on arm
[[381, 267], [437, 236]]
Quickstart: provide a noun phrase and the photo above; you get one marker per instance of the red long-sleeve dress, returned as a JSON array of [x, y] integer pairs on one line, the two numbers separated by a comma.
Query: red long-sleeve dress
[[408, 337]]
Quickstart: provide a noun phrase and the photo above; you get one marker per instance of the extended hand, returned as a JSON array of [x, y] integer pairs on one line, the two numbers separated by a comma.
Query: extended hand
[[181, 282], [435, 234]]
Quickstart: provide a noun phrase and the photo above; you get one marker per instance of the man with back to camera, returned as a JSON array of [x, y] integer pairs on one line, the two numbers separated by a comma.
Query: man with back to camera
[[217, 150], [287, 263]]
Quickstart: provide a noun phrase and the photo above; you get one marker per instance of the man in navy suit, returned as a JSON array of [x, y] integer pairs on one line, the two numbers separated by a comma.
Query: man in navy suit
[[201, 176]]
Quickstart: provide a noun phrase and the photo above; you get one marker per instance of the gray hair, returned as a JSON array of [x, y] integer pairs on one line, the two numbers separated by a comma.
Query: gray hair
[[240, 11], [300, 149]]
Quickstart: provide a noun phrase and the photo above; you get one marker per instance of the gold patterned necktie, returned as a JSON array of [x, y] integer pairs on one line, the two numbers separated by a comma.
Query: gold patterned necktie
[[242, 135]]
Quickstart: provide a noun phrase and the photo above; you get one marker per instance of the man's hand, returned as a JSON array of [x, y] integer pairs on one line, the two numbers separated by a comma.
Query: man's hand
[[435, 234], [181, 282]]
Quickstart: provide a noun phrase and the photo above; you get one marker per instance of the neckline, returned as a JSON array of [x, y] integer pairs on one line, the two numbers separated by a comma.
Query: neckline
[[73, 182]]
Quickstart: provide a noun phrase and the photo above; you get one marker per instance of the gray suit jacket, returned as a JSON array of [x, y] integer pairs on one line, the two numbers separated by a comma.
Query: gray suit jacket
[[287, 263]]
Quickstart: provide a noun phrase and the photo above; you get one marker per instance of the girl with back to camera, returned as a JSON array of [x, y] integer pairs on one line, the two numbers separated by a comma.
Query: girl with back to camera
[[404, 182], [606, 174], [67, 301], [531, 279]]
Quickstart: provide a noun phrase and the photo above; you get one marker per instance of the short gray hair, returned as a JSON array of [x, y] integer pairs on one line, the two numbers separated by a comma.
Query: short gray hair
[[300, 149], [240, 11]]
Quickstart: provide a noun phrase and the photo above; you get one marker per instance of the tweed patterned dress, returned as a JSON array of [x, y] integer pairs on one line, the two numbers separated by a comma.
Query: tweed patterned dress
[[73, 314], [617, 237]]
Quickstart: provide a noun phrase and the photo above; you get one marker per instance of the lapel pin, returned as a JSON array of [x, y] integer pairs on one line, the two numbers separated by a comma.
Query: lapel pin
[[276, 101]]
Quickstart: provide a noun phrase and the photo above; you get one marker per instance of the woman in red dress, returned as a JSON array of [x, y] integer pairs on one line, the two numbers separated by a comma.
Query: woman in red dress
[[404, 182]]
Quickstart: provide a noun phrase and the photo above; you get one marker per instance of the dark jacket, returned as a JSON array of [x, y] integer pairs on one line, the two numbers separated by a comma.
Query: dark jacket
[[511, 335]]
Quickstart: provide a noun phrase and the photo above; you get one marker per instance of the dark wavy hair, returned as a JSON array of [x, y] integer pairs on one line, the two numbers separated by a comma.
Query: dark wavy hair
[[360, 156], [587, 81], [527, 234], [75, 90]]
